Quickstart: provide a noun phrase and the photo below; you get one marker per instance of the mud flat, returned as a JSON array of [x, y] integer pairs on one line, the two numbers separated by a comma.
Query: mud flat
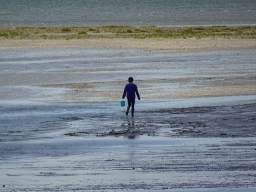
[[182, 149], [200, 122]]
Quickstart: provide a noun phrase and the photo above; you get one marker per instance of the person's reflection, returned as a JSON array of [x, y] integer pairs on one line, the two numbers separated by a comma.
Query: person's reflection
[[131, 129]]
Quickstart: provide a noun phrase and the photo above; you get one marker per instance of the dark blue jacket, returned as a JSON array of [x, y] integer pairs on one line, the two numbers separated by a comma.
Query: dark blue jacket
[[130, 90]]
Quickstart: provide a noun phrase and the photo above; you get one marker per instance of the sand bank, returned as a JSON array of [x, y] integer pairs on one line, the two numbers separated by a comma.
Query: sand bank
[[151, 45]]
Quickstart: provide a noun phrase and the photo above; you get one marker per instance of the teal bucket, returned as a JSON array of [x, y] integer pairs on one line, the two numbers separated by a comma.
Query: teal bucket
[[122, 103]]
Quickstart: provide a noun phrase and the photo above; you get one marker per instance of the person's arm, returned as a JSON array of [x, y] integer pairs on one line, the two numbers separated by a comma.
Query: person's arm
[[124, 94], [137, 93]]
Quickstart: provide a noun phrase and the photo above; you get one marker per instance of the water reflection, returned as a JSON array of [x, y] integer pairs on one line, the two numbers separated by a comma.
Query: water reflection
[[131, 131]]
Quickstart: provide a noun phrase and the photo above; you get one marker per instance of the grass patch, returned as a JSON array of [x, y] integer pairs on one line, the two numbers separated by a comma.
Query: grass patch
[[66, 30], [71, 37], [6, 35], [91, 29], [243, 32], [24, 35], [44, 36], [139, 30], [246, 27], [82, 33], [16, 34], [124, 32]]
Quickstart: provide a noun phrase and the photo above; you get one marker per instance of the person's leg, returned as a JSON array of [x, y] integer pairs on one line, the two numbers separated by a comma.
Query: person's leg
[[132, 104], [128, 106]]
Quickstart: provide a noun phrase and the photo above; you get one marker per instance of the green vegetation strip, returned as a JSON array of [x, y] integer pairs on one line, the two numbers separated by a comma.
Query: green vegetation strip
[[146, 32]]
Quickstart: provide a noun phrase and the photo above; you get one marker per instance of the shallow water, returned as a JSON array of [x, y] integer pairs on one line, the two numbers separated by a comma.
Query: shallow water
[[121, 164], [56, 137]]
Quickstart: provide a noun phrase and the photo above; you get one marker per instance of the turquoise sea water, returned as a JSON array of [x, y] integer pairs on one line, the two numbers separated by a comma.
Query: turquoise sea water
[[45, 13]]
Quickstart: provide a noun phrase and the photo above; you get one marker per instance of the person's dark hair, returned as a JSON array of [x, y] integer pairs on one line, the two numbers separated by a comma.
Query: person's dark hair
[[130, 79]]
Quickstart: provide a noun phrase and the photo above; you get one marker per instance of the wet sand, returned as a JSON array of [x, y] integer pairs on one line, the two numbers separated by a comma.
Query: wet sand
[[207, 148], [99, 75], [220, 79], [193, 122]]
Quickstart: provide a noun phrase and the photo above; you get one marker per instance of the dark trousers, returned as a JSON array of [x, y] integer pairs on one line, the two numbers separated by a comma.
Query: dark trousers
[[131, 102]]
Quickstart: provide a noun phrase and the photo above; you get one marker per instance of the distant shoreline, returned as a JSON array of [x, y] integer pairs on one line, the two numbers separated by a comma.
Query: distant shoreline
[[144, 32], [148, 39]]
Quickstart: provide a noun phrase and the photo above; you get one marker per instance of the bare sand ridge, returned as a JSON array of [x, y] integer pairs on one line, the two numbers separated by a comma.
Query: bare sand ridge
[[153, 45]]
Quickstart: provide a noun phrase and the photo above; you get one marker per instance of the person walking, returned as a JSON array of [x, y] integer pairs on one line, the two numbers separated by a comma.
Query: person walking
[[129, 91]]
